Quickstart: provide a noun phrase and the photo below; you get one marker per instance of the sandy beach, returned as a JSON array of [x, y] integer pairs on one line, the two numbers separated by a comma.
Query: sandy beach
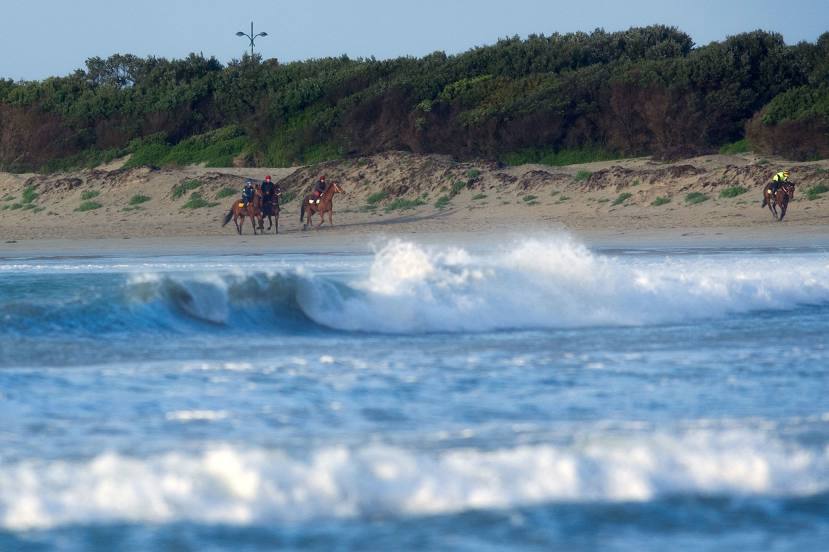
[[633, 202]]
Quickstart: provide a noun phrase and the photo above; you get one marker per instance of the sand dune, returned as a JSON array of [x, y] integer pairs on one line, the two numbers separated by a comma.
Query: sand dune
[[396, 193]]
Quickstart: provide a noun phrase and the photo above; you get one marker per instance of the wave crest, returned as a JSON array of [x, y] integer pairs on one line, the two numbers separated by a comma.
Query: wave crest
[[227, 484]]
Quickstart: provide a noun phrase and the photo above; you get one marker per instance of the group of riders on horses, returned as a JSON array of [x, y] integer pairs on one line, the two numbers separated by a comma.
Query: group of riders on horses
[[262, 200], [777, 193]]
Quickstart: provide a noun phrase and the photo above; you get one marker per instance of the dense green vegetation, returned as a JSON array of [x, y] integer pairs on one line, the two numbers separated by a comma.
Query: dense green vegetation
[[621, 198], [733, 191], [816, 191], [695, 197], [89, 206], [184, 187], [138, 199], [557, 99]]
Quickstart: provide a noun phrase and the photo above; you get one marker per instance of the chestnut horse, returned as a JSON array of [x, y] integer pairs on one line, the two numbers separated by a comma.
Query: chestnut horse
[[240, 211], [325, 205], [784, 194]]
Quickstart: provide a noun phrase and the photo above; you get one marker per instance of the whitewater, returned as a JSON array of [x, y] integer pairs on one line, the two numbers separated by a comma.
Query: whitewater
[[532, 393]]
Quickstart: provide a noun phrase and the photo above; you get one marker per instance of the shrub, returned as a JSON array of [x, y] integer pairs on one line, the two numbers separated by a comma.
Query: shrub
[[90, 194], [8, 197], [186, 186], [529, 198], [401, 203], [89, 206], [196, 201], [478, 197], [472, 174], [733, 191], [557, 158], [377, 197], [457, 188], [816, 191], [287, 197], [740, 146], [226, 192], [29, 195], [138, 199], [660, 200], [695, 197], [442, 202], [581, 176], [621, 198]]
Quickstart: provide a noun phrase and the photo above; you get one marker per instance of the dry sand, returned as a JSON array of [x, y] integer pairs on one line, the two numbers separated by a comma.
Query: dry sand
[[586, 200]]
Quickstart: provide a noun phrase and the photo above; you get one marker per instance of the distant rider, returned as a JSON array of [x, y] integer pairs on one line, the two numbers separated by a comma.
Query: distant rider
[[247, 192], [319, 188], [778, 180], [269, 191]]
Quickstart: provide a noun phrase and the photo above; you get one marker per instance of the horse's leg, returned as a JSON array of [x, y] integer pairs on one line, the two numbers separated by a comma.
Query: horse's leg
[[784, 204], [238, 224], [331, 217], [322, 219]]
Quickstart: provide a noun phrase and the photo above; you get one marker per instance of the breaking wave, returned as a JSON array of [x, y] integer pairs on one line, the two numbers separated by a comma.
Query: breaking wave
[[409, 288], [228, 484]]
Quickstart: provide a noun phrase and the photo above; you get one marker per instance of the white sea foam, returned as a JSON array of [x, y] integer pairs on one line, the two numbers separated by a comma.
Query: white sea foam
[[228, 484], [559, 283]]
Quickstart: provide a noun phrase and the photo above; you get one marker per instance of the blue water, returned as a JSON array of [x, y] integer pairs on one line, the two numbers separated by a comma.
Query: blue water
[[533, 395]]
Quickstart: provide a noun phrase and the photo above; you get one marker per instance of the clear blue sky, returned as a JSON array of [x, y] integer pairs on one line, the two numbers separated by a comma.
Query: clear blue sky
[[41, 38]]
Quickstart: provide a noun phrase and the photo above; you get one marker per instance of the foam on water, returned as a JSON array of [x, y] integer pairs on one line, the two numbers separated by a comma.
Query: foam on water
[[409, 288], [559, 283], [227, 484]]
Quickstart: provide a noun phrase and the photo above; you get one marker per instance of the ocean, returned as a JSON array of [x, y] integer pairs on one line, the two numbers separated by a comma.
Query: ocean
[[531, 394]]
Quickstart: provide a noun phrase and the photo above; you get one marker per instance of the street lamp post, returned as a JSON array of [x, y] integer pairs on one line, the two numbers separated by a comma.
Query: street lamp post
[[252, 37]]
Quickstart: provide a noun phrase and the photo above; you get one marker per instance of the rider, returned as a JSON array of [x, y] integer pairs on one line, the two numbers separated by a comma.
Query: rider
[[319, 188], [269, 191], [247, 192], [778, 180]]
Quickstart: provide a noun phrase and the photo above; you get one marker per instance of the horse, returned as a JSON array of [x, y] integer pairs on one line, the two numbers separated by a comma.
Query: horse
[[325, 205], [240, 211], [270, 209], [784, 194]]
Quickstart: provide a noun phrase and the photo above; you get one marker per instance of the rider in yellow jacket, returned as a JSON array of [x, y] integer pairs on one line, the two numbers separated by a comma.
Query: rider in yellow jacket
[[778, 179]]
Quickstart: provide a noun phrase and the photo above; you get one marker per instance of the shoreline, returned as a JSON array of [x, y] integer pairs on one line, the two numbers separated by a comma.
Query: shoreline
[[321, 242]]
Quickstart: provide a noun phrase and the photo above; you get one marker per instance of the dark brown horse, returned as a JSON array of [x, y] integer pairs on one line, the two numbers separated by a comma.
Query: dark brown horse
[[785, 193], [239, 211], [270, 209], [323, 206]]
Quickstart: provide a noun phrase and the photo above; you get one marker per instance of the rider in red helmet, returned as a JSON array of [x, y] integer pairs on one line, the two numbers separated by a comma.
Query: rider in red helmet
[[270, 192], [319, 188]]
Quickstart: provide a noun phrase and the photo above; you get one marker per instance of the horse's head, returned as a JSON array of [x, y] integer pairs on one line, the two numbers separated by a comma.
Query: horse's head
[[333, 188]]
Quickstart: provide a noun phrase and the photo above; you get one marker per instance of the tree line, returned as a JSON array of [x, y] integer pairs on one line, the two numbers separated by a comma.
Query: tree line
[[642, 91]]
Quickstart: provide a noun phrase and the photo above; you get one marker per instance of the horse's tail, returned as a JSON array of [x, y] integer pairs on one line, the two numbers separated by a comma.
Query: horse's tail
[[302, 211], [228, 216]]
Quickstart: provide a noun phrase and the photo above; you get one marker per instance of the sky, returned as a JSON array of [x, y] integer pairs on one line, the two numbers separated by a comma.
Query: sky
[[42, 38]]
